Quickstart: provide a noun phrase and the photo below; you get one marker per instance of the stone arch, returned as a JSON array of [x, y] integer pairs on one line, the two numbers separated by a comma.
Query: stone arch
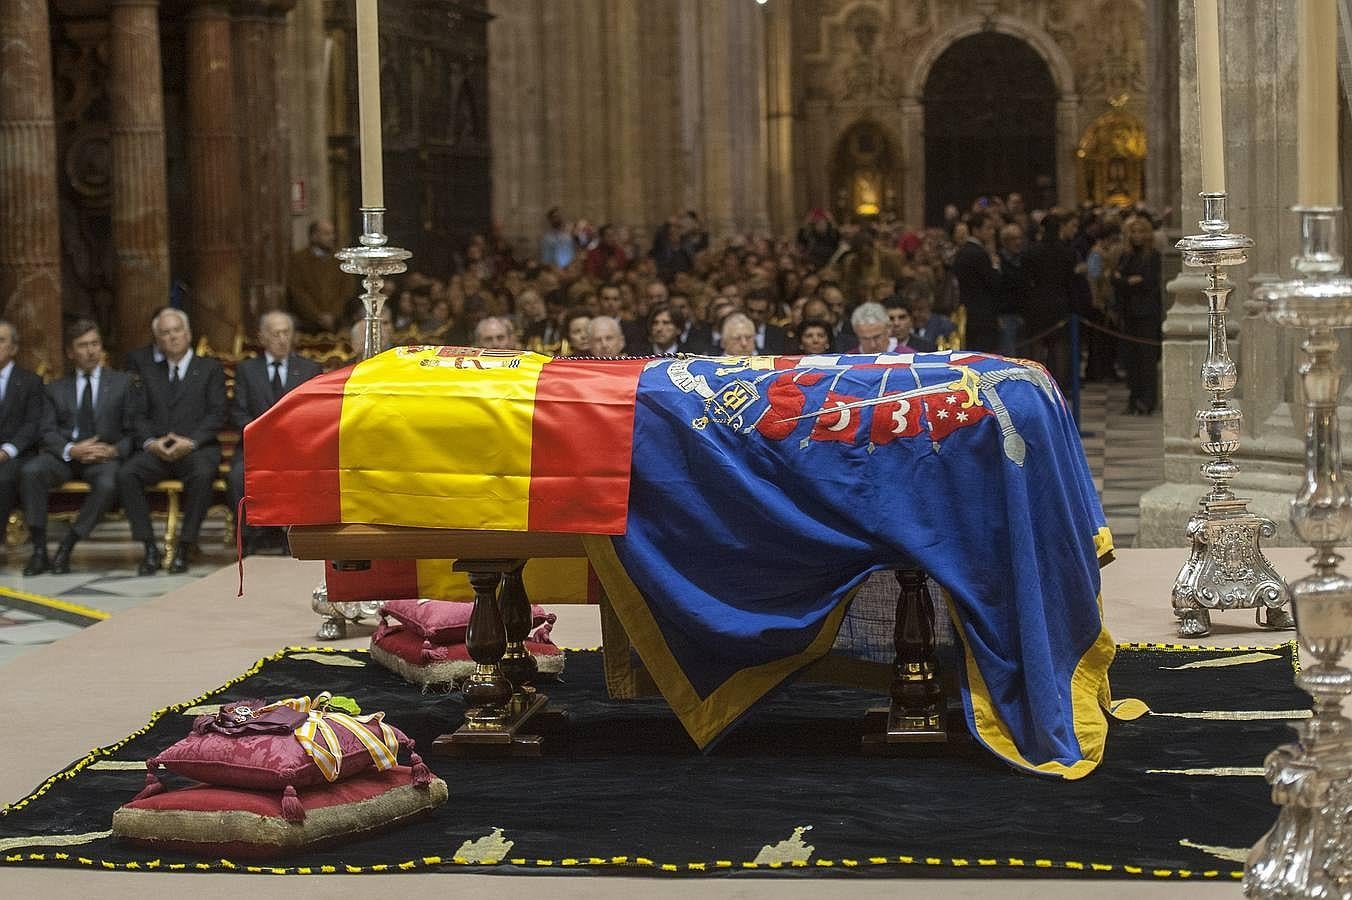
[[1063, 73], [1063, 78]]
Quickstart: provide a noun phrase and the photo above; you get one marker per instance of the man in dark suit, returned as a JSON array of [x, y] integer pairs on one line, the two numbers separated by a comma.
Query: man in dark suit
[[770, 339], [85, 435], [176, 414], [260, 382], [979, 286], [21, 407], [141, 359]]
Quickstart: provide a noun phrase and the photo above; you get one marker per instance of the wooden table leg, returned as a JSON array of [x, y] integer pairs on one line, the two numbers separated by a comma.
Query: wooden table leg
[[498, 697], [918, 708]]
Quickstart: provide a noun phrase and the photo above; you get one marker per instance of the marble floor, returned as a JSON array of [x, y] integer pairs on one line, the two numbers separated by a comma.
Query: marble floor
[[1124, 453]]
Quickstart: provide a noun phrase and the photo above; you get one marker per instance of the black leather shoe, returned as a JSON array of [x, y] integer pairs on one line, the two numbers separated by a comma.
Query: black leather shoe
[[61, 559], [180, 563], [37, 563], [151, 564]]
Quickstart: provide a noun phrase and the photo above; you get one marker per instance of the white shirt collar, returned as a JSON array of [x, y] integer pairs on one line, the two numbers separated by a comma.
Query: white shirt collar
[[6, 372], [182, 363]]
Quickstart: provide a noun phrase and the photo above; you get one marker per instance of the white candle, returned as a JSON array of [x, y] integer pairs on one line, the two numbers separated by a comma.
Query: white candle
[[1207, 32], [368, 104], [1317, 107]]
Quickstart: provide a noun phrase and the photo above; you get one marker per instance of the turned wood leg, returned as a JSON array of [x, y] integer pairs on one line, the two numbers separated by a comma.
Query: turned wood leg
[[917, 711], [487, 691], [916, 692], [518, 665]]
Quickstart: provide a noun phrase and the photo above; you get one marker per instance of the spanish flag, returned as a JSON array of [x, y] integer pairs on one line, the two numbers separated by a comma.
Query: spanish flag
[[449, 437]]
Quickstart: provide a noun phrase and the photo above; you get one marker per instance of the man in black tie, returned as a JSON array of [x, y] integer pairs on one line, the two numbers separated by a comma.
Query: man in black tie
[[176, 414], [85, 435], [21, 407], [260, 382]]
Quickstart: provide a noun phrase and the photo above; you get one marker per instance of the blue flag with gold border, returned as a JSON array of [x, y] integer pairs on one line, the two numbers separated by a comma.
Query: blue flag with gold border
[[764, 489]]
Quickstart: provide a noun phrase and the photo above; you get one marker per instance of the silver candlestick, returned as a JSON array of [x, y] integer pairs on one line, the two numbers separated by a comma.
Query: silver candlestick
[[373, 261], [1308, 852], [1227, 568]]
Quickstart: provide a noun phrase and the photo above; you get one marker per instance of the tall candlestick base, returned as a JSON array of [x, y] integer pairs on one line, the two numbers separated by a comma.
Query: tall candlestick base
[[1308, 852], [373, 261], [1227, 568]]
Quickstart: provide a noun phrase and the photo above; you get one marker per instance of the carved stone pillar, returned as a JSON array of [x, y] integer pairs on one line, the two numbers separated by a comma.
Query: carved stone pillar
[[140, 202], [30, 242], [624, 133], [258, 43], [1067, 139], [779, 117], [214, 175], [716, 137], [1162, 163], [913, 162]]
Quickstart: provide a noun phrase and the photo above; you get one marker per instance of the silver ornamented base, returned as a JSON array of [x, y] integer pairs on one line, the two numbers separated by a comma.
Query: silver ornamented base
[[1227, 568], [373, 261], [337, 616], [1308, 852]]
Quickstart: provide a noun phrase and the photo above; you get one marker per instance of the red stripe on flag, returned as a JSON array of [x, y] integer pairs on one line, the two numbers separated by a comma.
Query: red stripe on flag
[[291, 456], [582, 439]]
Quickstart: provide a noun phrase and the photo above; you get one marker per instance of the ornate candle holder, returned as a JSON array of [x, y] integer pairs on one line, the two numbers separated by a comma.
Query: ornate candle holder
[[1308, 852], [373, 261], [1227, 568]]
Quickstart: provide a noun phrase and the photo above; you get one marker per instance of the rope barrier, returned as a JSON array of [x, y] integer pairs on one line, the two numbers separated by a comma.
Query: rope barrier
[[1028, 342]]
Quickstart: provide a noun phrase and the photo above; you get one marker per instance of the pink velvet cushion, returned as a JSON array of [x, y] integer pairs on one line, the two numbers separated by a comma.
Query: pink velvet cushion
[[444, 621], [210, 820], [263, 761], [416, 659]]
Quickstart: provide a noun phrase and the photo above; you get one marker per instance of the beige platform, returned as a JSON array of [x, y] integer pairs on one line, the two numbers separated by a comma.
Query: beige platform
[[97, 686]]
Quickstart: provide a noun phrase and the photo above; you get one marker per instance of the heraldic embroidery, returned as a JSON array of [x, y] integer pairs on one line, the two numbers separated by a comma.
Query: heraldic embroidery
[[821, 398]]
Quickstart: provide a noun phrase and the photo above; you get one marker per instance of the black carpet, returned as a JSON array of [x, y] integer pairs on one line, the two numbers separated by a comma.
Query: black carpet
[[623, 790]]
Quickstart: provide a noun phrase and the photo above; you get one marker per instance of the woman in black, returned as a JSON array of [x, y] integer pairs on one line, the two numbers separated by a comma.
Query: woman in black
[[1136, 284], [1049, 268]]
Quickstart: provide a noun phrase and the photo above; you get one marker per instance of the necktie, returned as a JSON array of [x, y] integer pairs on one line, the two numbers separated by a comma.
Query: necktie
[[277, 389], [84, 416], [173, 374]]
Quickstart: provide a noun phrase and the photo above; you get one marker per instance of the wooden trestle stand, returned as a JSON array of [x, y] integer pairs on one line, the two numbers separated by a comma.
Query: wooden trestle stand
[[500, 696]]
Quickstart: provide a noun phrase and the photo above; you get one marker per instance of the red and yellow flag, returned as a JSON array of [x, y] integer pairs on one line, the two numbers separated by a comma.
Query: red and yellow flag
[[448, 437]]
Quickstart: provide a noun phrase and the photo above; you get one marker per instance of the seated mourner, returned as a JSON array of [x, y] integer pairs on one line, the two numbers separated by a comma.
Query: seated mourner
[[21, 405], [259, 383], [85, 436], [176, 414]]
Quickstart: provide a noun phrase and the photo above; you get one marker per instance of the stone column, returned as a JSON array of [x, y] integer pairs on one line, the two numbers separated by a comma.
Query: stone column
[[783, 209], [1067, 139], [913, 161], [716, 135], [1259, 78], [214, 175], [624, 132], [257, 43], [136, 144], [1162, 59], [307, 100], [30, 242]]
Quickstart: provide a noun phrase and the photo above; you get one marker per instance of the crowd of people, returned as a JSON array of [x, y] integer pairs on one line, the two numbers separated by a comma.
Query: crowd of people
[[1010, 276]]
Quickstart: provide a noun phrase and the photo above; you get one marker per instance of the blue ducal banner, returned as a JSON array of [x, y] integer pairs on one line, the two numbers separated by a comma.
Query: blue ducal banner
[[764, 489]]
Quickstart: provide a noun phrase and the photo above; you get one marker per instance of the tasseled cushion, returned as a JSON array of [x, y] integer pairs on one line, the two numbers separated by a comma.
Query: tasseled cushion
[[226, 822], [420, 661], [442, 621]]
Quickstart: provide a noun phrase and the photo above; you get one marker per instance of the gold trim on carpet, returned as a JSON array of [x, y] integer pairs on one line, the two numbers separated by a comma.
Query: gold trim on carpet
[[88, 612], [1241, 715], [55, 840], [1246, 659], [1218, 771]]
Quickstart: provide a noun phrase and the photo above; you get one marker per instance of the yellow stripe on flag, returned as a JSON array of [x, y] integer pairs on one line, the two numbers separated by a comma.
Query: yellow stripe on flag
[[468, 465]]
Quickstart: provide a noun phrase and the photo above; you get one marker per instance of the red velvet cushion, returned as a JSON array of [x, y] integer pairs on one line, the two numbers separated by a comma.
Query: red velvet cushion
[[444, 621], [263, 761], [225, 822], [411, 647]]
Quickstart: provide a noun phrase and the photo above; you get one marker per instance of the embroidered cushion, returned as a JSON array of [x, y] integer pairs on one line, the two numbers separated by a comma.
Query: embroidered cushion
[[265, 761], [226, 822], [420, 661], [443, 621]]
